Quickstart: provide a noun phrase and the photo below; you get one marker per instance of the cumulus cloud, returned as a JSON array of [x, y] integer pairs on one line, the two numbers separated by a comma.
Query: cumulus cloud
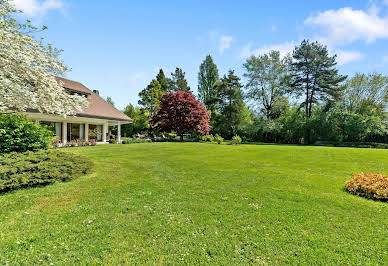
[[347, 25], [283, 48], [345, 57], [225, 42], [35, 8]]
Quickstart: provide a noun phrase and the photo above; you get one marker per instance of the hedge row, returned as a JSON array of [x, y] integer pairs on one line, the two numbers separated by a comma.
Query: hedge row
[[18, 170]]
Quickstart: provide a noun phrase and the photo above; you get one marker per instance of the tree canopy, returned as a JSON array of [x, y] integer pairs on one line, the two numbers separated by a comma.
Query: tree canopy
[[179, 82], [314, 77], [266, 81], [207, 78], [182, 113], [27, 70]]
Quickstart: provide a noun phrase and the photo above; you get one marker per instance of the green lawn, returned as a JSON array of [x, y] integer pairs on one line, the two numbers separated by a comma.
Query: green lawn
[[172, 203]]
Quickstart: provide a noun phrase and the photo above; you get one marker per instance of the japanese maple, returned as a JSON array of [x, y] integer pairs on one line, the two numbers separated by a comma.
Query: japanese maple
[[181, 112]]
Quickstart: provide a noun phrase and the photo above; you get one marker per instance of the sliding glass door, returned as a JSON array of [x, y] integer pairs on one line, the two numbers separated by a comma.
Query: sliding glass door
[[75, 131]]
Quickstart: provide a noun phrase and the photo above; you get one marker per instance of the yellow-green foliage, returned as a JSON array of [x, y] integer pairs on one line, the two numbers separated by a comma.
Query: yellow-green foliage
[[28, 169], [369, 185]]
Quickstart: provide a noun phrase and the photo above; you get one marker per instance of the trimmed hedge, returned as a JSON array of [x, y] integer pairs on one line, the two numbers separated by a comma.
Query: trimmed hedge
[[18, 134], [369, 185], [19, 170]]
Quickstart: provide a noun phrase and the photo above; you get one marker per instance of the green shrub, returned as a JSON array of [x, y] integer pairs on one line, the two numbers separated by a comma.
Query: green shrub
[[207, 138], [18, 134], [18, 170], [218, 139], [137, 140], [369, 185], [112, 141], [236, 140]]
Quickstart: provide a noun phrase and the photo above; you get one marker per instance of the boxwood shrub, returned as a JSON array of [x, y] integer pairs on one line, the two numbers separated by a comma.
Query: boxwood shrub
[[369, 185], [18, 134], [28, 169]]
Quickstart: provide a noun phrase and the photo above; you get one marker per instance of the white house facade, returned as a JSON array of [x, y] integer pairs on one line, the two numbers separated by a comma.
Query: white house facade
[[92, 123]]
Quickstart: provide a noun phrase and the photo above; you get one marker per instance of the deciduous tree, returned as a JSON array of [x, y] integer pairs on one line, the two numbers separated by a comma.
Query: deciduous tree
[[182, 113], [267, 81], [27, 70], [207, 77]]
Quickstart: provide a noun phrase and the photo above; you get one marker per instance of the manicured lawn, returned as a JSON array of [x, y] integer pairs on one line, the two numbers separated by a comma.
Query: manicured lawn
[[171, 203]]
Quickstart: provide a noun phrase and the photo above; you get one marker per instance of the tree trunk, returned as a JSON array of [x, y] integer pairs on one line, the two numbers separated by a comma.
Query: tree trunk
[[181, 137]]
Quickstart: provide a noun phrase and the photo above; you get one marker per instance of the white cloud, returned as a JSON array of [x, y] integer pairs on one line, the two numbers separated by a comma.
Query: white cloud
[[346, 25], [283, 48], [274, 28], [345, 57], [225, 42], [35, 8], [137, 77]]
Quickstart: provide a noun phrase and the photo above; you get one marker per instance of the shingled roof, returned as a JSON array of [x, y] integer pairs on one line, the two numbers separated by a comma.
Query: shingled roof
[[98, 107]]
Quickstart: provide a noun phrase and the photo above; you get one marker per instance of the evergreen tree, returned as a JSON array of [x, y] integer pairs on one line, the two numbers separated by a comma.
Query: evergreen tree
[[314, 77], [230, 105], [207, 77], [179, 82], [164, 82], [150, 98]]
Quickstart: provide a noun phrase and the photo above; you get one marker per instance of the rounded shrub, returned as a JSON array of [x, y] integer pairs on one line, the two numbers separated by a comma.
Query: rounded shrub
[[18, 134], [218, 139], [28, 169], [369, 185], [236, 140]]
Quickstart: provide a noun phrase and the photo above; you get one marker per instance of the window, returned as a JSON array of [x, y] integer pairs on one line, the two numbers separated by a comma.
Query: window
[[95, 132], [75, 131], [55, 127]]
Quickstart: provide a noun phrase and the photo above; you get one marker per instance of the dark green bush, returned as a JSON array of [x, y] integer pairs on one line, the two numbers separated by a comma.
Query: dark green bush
[[18, 170], [18, 134]]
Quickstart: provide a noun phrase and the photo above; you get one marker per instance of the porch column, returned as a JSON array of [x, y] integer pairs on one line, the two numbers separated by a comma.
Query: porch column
[[64, 132], [104, 130], [86, 132], [118, 132]]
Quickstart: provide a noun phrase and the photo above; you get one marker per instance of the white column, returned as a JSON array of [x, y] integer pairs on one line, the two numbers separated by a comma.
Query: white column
[[118, 132], [104, 130], [64, 132], [86, 132]]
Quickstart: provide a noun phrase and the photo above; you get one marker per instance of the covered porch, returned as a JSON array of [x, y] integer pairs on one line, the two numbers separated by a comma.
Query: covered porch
[[76, 128]]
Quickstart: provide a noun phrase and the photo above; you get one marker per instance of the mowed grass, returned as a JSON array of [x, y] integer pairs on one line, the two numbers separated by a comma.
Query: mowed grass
[[177, 203]]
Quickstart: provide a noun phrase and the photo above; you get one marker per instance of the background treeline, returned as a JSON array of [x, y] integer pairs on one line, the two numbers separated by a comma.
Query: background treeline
[[299, 98]]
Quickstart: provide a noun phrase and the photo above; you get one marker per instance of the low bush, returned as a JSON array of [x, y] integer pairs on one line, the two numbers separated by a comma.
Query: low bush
[[369, 185], [18, 134], [112, 141], [207, 138], [236, 140], [136, 140], [28, 169], [218, 139], [374, 145]]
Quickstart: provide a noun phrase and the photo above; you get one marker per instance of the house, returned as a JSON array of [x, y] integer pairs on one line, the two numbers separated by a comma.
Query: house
[[92, 122]]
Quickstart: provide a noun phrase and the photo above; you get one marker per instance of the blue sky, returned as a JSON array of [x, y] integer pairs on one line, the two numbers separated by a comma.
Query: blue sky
[[118, 46]]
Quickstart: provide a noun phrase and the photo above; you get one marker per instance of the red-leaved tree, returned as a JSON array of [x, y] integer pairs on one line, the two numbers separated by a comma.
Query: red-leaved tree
[[181, 112]]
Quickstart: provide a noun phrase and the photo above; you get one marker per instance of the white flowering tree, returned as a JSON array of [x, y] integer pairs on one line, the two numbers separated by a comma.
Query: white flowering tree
[[27, 70]]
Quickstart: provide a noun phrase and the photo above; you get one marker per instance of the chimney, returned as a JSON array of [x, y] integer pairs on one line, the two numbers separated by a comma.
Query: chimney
[[96, 92]]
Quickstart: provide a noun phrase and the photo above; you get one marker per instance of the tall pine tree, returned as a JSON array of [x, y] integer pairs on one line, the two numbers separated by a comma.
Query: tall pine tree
[[314, 78]]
